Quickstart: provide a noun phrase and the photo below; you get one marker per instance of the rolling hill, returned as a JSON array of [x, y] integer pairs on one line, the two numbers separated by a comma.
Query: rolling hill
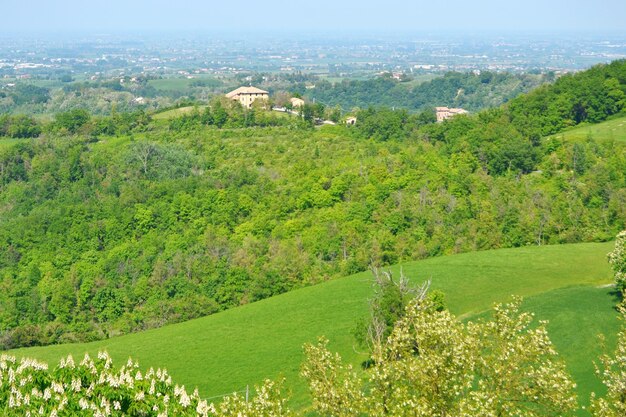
[[614, 129], [225, 352]]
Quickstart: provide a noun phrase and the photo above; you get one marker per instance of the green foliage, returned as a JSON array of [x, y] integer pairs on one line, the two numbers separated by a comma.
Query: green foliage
[[228, 114], [383, 124], [225, 217], [388, 305], [183, 218], [506, 140], [588, 96], [29, 94], [154, 161], [120, 123], [470, 91], [435, 365], [19, 126], [72, 120]]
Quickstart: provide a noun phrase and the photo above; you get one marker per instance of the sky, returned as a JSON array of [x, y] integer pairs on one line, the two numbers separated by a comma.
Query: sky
[[20, 16]]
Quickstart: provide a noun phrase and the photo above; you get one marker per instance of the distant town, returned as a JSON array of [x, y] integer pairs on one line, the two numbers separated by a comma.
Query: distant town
[[421, 72], [335, 57]]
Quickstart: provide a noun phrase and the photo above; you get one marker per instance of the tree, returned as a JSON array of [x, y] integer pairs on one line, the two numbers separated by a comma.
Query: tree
[[333, 113], [335, 387], [156, 161], [613, 375], [72, 120], [282, 98], [220, 115], [307, 112], [387, 306], [518, 371], [144, 153], [617, 259], [19, 126], [434, 365], [30, 94]]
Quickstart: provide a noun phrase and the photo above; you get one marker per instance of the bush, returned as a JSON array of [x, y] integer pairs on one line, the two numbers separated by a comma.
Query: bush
[[617, 259], [20, 126], [95, 388]]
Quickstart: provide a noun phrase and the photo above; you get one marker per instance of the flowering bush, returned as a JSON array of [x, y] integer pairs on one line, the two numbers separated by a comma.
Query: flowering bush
[[435, 365], [612, 372], [93, 388], [617, 259]]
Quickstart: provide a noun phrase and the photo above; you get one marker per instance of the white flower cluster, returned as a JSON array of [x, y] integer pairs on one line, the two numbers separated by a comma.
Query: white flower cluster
[[94, 388], [435, 365], [617, 259], [612, 372]]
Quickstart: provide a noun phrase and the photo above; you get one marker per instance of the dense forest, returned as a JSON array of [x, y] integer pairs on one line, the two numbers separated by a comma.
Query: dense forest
[[472, 91], [116, 224]]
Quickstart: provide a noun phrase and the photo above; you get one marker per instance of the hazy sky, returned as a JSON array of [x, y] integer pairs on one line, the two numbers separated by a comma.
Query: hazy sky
[[323, 15]]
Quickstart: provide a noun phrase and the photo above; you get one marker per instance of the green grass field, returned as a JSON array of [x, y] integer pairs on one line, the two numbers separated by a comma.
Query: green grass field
[[170, 114], [225, 352], [614, 129], [577, 315]]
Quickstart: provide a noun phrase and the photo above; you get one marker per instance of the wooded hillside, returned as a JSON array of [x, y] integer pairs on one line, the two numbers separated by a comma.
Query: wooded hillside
[[161, 222]]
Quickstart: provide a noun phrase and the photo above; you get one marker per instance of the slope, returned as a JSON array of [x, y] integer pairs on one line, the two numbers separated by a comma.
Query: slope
[[577, 316], [614, 129], [224, 352]]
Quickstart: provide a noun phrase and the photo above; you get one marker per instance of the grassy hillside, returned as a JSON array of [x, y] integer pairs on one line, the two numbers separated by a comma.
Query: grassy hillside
[[170, 114], [224, 352], [614, 129], [577, 315]]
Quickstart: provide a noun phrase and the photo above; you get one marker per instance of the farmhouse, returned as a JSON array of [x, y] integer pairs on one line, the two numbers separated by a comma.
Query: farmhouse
[[247, 95], [444, 113], [296, 102]]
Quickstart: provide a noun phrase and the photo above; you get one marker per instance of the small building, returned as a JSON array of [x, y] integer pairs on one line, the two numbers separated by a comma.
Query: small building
[[444, 113], [350, 121], [248, 95], [296, 102]]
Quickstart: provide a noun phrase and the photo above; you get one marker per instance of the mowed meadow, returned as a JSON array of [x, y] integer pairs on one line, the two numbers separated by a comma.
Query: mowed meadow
[[611, 130], [225, 352]]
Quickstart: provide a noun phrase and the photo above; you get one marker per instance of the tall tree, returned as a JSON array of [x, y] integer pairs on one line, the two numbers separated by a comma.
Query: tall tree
[[434, 365]]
